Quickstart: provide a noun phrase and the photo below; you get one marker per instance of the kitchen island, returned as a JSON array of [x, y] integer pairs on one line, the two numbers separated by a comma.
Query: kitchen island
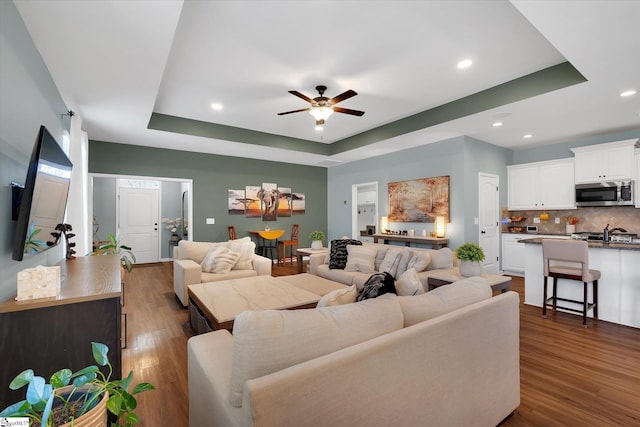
[[618, 288]]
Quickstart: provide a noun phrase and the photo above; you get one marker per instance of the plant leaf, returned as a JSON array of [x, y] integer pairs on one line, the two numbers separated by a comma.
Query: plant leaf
[[126, 382], [61, 378], [142, 387], [35, 391], [100, 353], [16, 409], [22, 379], [84, 371], [114, 404], [132, 418], [47, 410], [84, 379]]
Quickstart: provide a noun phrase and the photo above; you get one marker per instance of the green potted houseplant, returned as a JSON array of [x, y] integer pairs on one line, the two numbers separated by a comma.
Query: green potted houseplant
[[316, 237], [471, 256], [77, 399], [127, 258]]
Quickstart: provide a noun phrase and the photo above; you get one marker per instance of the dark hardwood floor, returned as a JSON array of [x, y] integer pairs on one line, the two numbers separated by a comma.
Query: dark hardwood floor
[[570, 375]]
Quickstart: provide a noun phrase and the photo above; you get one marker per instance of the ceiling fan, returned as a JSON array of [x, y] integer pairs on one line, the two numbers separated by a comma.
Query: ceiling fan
[[322, 107]]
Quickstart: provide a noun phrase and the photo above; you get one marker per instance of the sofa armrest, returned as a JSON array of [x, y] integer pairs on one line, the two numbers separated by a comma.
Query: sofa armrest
[[315, 260], [185, 272], [262, 265]]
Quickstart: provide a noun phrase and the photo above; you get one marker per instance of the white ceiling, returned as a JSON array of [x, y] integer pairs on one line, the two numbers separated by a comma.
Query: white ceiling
[[116, 62]]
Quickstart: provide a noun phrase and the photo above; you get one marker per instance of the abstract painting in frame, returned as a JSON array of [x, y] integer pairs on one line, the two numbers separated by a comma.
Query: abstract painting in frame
[[419, 200]]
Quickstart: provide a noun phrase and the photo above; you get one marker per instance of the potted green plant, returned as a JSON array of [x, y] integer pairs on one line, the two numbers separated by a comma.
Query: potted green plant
[[78, 399], [471, 256], [127, 258], [316, 237]]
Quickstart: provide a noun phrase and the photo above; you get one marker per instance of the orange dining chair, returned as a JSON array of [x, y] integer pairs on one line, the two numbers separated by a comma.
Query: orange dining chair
[[283, 244], [232, 232]]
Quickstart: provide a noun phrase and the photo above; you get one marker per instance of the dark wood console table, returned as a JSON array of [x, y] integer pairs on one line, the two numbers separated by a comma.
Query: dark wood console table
[[435, 242], [48, 334]]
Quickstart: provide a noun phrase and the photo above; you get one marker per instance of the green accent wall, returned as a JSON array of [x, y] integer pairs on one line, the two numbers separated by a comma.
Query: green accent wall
[[213, 175]]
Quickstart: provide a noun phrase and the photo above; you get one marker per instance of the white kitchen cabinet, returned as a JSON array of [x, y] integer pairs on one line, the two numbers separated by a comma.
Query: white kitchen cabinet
[[613, 161], [541, 185], [513, 252], [367, 198]]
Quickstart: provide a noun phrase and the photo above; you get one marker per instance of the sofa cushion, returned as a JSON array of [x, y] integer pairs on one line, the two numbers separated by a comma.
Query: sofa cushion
[[361, 258], [381, 252], [271, 340], [407, 254], [193, 250], [391, 261], [339, 296], [246, 248], [443, 299], [219, 260], [378, 284], [419, 261], [409, 283], [338, 252], [441, 259]]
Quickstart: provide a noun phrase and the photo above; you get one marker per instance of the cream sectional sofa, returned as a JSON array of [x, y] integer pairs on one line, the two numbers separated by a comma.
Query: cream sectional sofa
[[449, 357], [188, 257], [440, 259]]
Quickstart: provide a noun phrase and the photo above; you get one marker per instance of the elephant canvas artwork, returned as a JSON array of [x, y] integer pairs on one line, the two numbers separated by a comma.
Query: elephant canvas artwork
[[268, 196]]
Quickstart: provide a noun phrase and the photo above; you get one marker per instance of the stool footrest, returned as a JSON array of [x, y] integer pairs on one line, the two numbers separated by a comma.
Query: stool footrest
[[550, 304]]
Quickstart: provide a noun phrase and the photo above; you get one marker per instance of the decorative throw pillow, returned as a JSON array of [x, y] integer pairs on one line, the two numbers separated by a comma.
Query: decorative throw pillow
[[339, 296], [391, 261], [219, 260], [409, 283], [442, 258], [407, 254], [245, 247], [361, 258], [338, 255], [376, 285], [382, 251], [420, 261]]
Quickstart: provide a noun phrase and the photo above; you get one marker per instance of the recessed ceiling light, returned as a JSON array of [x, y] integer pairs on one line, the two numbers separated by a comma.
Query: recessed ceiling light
[[465, 63], [216, 106], [527, 136], [628, 92], [497, 124]]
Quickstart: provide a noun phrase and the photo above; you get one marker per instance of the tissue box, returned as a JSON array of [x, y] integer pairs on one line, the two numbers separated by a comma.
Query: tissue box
[[38, 282]]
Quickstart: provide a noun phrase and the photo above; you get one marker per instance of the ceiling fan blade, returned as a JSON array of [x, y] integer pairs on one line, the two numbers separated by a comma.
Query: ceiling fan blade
[[345, 95], [348, 111], [299, 95], [294, 111]]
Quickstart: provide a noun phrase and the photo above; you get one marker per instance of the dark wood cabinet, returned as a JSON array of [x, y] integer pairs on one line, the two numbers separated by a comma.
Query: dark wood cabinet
[[49, 334]]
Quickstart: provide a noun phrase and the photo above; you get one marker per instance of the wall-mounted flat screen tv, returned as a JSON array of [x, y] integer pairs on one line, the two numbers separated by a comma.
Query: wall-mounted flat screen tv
[[44, 197]]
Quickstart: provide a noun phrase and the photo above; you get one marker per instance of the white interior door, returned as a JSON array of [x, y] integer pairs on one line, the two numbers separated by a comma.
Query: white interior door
[[138, 218], [489, 220]]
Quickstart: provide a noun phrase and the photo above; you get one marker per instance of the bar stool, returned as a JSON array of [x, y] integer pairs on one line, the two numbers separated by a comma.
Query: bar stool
[[569, 259], [293, 241]]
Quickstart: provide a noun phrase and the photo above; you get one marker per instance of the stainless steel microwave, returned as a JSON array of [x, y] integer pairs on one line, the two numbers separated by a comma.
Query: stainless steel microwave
[[618, 193]]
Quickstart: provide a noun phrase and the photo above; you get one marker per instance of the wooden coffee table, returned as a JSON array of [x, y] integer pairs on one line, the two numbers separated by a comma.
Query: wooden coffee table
[[221, 301], [302, 252], [498, 283]]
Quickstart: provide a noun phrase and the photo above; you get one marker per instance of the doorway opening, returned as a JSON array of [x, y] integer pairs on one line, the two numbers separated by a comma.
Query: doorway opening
[[364, 214]]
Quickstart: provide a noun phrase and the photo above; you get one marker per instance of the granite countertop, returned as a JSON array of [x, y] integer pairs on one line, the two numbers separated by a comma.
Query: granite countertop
[[594, 244]]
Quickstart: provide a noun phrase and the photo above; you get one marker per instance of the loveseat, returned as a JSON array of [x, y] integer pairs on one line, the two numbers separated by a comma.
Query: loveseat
[[449, 357], [188, 258], [433, 260]]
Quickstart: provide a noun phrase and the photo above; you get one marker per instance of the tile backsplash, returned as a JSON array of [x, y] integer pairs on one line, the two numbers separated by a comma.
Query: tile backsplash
[[589, 219]]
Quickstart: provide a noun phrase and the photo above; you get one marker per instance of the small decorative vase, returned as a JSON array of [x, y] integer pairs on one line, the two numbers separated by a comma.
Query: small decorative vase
[[316, 244], [470, 268], [571, 228]]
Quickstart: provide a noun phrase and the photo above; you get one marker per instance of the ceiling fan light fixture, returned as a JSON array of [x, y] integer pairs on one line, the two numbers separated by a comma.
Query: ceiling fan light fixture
[[321, 114]]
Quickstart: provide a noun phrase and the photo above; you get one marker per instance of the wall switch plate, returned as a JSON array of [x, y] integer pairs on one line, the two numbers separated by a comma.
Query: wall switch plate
[[211, 221], [536, 220], [476, 221], [557, 220]]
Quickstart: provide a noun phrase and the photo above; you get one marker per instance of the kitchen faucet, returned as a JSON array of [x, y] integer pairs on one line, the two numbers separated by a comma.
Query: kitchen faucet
[[605, 238]]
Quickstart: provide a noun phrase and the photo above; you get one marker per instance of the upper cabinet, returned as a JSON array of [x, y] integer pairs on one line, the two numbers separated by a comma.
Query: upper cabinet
[[613, 161], [367, 197], [541, 185], [637, 178]]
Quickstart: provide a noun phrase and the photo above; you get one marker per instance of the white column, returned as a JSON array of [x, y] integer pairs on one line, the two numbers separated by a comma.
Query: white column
[[78, 204]]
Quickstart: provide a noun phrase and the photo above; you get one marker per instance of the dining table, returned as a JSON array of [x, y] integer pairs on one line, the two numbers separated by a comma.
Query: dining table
[[267, 241]]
